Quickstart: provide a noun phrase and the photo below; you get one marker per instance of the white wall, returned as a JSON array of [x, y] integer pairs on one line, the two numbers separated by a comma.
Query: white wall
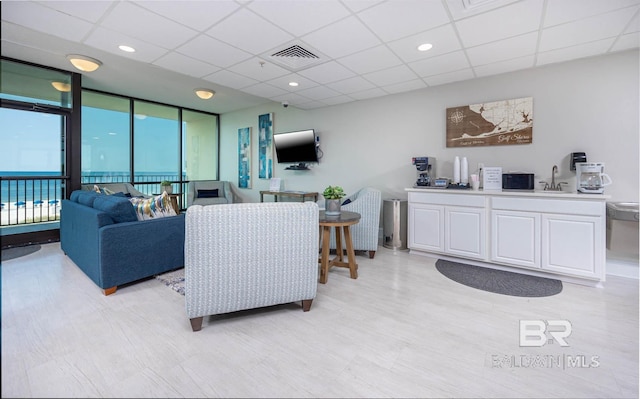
[[589, 105]]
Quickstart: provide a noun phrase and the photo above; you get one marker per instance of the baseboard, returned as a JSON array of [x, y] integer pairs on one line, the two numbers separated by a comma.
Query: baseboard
[[622, 266]]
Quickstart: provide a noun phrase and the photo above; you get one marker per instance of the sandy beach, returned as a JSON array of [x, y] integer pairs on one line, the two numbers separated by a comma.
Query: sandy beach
[[29, 212]]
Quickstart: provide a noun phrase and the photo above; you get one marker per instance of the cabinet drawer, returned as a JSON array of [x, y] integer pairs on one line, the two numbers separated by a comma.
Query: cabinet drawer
[[447, 199], [551, 205]]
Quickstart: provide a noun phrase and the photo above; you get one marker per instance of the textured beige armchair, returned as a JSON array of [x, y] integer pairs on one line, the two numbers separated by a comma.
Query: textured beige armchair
[[209, 192], [364, 235], [250, 255]]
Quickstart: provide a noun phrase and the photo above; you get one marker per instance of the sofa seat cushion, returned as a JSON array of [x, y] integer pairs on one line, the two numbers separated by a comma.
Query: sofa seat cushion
[[152, 208], [119, 208]]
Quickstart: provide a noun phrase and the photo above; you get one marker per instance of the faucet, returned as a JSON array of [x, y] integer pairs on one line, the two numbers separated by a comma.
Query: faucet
[[553, 186]]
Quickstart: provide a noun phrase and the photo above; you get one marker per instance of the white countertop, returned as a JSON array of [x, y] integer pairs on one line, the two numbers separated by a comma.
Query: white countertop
[[514, 193]]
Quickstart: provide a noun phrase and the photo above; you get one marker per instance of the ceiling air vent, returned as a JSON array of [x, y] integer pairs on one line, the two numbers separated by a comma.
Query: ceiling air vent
[[295, 57]]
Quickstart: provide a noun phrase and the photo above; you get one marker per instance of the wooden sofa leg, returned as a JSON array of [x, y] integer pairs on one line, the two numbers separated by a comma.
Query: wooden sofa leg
[[372, 254], [110, 290], [306, 304], [196, 323]]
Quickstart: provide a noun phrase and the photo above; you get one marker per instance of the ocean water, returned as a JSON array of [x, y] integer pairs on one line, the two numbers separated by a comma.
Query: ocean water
[[45, 190]]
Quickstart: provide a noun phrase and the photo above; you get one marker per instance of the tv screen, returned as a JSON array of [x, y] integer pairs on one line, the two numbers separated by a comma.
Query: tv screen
[[296, 147]]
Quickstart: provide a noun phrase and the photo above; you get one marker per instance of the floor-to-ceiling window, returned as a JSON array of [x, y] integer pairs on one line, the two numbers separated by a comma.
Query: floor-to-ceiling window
[[35, 111], [144, 143]]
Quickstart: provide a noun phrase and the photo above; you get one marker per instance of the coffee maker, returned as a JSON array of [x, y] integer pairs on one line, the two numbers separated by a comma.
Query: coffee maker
[[425, 167], [590, 177]]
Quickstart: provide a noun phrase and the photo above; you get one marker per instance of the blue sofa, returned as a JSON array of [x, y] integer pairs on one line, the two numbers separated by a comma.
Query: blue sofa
[[104, 238]]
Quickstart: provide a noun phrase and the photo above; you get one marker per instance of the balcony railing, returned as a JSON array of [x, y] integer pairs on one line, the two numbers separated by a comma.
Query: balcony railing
[[30, 199]]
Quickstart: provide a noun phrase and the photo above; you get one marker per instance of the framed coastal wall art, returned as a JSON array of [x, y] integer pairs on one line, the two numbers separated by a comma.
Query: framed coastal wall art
[[265, 146], [493, 123], [244, 157]]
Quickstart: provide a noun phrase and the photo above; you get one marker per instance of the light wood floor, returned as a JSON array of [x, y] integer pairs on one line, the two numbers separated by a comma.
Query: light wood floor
[[400, 330]]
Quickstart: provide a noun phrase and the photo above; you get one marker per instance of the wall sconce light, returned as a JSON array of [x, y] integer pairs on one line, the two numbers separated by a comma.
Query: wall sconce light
[[205, 94], [84, 63], [61, 86]]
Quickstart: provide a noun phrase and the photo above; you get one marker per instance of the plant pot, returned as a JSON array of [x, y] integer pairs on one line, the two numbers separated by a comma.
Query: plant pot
[[168, 189], [332, 207]]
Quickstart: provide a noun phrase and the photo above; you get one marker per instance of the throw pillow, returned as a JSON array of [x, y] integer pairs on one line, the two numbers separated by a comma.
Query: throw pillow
[[153, 208], [117, 207], [347, 201], [208, 193], [102, 190]]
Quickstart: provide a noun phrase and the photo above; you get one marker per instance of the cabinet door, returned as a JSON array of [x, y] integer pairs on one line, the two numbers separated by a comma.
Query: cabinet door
[[426, 227], [573, 245], [515, 238], [465, 233]]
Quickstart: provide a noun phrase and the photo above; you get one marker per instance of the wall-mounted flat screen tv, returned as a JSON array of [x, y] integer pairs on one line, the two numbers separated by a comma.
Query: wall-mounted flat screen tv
[[298, 147]]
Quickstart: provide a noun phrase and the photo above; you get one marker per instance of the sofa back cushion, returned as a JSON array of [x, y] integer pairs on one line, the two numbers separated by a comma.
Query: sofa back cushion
[[85, 198], [119, 208]]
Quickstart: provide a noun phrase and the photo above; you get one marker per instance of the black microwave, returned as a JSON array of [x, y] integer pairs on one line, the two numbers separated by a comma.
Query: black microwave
[[517, 181]]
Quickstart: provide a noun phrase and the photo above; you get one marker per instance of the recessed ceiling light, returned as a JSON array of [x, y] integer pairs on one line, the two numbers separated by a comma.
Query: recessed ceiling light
[[293, 84], [127, 49], [425, 47]]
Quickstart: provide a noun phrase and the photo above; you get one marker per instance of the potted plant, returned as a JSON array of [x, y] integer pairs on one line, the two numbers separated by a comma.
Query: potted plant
[[165, 185], [332, 196]]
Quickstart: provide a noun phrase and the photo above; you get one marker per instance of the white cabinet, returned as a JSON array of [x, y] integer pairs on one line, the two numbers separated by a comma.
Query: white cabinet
[[559, 234], [515, 238], [465, 233], [448, 223], [572, 244], [426, 227]]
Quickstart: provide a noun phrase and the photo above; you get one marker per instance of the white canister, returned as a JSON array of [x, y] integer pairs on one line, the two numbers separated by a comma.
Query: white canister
[[464, 171], [456, 170]]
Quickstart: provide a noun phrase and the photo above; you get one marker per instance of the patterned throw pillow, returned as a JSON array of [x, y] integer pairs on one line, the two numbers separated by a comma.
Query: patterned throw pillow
[[102, 190], [153, 208]]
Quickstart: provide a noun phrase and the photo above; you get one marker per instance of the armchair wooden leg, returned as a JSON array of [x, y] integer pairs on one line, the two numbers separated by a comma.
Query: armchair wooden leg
[[196, 323], [110, 290], [372, 254], [306, 304]]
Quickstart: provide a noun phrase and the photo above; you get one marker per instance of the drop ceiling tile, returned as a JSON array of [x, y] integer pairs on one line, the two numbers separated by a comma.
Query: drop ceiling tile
[[373, 59], [283, 82], [359, 5], [44, 19], [449, 77], [212, 51], [371, 93], [585, 30], [574, 52], [318, 93], [443, 39], [240, 30], [342, 38], [312, 105], [351, 85], [259, 69], [125, 18], [454, 61], [230, 79], [264, 90], [182, 64], [395, 19], [503, 50], [401, 73], [327, 73], [511, 20], [108, 40], [299, 17], [505, 66], [562, 11], [410, 85], [634, 25], [292, 98], [90, 11], [627, 42], [199, 15]]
